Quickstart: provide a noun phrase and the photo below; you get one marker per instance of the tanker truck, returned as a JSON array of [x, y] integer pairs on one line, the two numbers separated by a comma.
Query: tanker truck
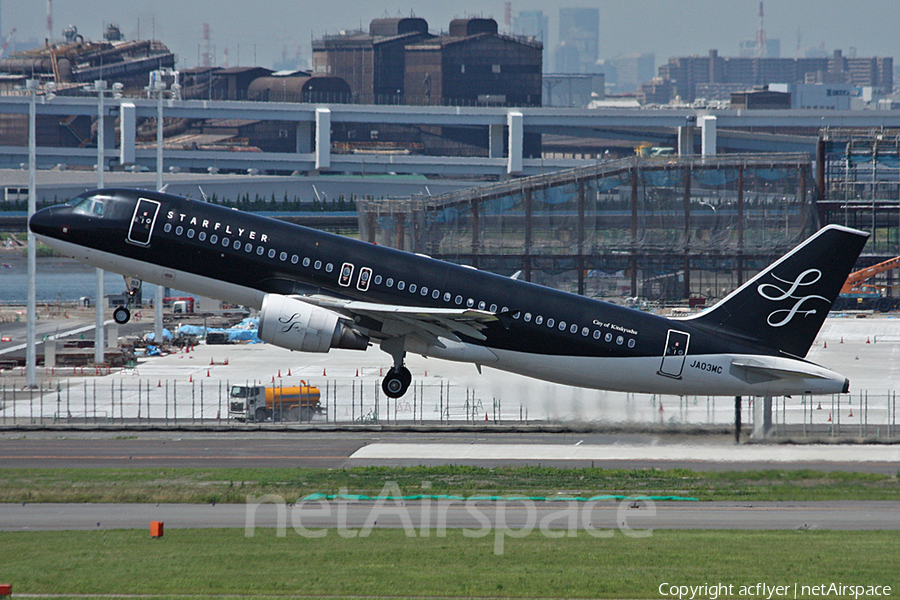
[[274, 403]]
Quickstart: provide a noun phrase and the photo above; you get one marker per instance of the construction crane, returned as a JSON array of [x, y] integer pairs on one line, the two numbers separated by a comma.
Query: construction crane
[[857, 294], [6, 42]]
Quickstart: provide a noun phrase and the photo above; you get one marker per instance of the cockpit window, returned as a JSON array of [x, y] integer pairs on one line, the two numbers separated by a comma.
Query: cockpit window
[[89, 205]]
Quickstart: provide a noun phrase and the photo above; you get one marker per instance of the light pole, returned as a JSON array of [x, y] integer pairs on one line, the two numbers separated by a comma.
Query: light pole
[[100, 88], [158, 86], [31, 312]]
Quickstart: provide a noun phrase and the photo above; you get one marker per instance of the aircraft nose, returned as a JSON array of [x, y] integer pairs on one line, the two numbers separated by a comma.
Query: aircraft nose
[[49, 221]]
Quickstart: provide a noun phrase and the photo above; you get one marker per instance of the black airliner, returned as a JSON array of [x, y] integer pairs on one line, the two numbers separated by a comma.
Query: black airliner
[[316, 291]]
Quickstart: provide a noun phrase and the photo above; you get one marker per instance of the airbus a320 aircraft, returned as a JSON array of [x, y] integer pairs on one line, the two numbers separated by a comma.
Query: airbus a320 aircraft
[[316, 291]]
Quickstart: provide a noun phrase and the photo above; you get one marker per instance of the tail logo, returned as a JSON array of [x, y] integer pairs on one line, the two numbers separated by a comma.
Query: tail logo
[[771, 291]]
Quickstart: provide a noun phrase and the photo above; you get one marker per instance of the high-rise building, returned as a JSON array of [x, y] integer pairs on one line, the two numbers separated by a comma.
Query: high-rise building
[[532, 23], [632, 70], [579, 37], [688, 73]]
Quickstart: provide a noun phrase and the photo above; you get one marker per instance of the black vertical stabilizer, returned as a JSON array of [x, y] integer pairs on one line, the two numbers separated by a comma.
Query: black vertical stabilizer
[[784, 306]]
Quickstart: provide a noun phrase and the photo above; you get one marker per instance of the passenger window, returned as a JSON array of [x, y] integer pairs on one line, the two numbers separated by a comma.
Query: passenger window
[[550, 322], [458, 299], [260, 250], [283, 256], [493, 308], [365, 275], [226, 242], [447, 296], [412, 288], [631, 343], [482, 305], [596, 334], [389, 282], [528, 317], [585, 331], [562, 325], [329, 268], [179, 230], [401, 285], [470, 303], [346, 275], [248, 247], [424, 291], [620, 340], [213, 239], [190, 234], [377, 280], [317, 265], [573, 328], [538, 320], [306, 261], [202, 236], [435, 294], [295, 259], [167, 228], [237, 244], [607, 338], [271, 253]]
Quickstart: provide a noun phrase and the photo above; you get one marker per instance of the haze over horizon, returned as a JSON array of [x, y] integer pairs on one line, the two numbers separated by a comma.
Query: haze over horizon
[[263, 32]]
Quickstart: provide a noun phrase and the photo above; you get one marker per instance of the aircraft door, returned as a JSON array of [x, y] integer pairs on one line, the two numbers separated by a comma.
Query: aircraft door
[[142, 222], [675, 353]]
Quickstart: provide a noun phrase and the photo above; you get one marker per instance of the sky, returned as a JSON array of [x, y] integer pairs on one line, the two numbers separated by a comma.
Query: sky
[[267, 29]]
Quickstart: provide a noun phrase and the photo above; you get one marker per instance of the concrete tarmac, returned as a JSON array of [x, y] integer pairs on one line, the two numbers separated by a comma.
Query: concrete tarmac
[[348, 449], [425, 517]]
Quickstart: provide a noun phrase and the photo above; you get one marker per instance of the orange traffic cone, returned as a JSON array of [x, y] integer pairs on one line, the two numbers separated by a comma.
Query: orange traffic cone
[[191, 378], [323, 373], [289, 372], [826, 344], [207, 372], [159, 384]]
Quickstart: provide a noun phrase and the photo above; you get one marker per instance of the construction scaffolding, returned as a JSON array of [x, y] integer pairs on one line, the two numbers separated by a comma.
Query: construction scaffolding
[[859, 183], [665, 229]]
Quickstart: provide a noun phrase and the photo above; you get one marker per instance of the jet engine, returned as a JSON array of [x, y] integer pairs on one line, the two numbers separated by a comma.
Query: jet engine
[[297, 325]]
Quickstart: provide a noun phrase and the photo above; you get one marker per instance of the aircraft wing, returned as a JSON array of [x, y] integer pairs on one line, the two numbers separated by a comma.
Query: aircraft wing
[[397, 320]]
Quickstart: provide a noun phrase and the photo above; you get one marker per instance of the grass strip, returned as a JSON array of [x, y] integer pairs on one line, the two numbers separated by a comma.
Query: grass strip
[[233, 485], [386, 563]]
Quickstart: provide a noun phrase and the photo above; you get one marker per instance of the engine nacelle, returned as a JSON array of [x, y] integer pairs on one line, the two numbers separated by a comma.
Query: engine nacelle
[[297, 325]]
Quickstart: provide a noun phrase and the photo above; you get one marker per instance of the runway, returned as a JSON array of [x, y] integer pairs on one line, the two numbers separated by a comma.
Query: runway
[[426, 517], [314, 449]]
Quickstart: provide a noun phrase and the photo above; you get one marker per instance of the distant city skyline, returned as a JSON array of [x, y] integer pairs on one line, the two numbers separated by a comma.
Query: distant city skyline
[[263, 32]]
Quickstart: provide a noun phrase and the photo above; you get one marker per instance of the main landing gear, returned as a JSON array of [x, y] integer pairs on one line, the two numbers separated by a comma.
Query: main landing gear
[[122, 314], [397, 381]]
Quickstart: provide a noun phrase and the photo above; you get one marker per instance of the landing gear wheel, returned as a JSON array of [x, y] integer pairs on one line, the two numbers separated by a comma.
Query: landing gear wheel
[[396, 382], [121, 315]]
